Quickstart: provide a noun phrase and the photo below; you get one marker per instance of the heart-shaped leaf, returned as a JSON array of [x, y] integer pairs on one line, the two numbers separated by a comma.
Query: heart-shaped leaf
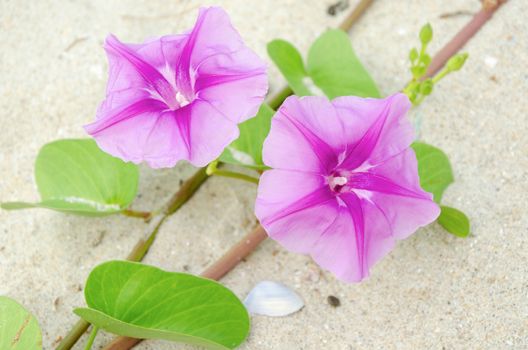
[[19, 330], [247, 149], [454, 221], [142, 301], [434, 169], [75, 176], [332, 68], [290, 63]]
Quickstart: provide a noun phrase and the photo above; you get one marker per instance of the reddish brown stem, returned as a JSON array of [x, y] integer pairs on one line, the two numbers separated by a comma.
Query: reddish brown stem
[[216, 271], [356, 13], [236, 254], [145, 215], [463, 36]]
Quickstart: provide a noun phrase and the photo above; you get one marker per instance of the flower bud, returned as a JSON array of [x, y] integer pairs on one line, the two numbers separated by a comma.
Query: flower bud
[[426, 87], [426, 34], [413, 55], [425, 60], [457, 61]]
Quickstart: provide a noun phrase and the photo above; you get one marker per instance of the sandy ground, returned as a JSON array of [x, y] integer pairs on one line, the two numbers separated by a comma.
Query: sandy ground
[[433, 291]]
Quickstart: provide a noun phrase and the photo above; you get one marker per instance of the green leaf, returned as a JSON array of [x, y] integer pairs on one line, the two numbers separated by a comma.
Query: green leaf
[[19, 330], [332, 69], [247, 149], [454, 221], [75, 176], [290, 63], [141, 301], [434, 169], [335, 68]]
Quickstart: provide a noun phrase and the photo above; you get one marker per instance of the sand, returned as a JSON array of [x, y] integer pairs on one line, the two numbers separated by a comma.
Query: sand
[[434, 291]]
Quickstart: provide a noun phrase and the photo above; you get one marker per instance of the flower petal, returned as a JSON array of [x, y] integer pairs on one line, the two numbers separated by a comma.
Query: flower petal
[[358, 238], [384, 130], [197, 133], [132, 110], [294, 208], [237, 96], [162, 53], [297, 139], [377, 183], [337, 248], [217, 65], [209, 131], [406, 213], [135, 68], [151, 136]]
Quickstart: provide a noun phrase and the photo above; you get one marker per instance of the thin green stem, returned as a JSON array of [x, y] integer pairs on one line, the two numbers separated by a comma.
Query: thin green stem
[[419, 100], [278, 98], [235, 175], [445, 71], [73, 335], [423, 50], [91, 339], [143, 245]]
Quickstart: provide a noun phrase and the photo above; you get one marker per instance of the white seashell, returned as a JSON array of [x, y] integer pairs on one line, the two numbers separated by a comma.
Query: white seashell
[[274, 299]]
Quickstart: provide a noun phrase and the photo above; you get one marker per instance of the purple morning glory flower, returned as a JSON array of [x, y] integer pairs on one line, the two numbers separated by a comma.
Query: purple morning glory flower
[[179, 96], [344, 182]]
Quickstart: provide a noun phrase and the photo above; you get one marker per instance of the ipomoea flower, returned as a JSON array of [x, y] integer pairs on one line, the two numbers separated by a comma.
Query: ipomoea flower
[[179, 96], [344, 182]]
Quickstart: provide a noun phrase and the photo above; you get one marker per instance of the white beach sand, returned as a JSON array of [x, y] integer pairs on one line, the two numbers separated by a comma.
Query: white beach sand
[[434, 291]]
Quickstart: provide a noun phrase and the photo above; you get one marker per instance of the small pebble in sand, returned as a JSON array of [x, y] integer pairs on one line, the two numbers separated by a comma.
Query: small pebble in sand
[[334, 301], [339, 6]]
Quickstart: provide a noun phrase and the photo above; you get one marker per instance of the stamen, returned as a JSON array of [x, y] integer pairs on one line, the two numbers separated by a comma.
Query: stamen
[[181, 99], [338, 181]]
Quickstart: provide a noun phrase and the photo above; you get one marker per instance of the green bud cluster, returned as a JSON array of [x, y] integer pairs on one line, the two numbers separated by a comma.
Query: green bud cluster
[[420, 86]]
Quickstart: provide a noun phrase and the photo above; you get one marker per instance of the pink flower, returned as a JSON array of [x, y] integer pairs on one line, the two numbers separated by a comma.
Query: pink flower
[[344, 184], [179, 96]]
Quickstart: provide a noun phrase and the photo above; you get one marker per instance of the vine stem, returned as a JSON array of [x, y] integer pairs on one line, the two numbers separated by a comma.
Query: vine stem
[[462, 37], [235, 175], [145, 215], [141, 248], [91, 339]]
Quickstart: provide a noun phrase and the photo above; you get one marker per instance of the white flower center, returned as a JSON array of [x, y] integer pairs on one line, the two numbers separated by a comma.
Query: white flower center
[[337, 181], [181, 99]]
